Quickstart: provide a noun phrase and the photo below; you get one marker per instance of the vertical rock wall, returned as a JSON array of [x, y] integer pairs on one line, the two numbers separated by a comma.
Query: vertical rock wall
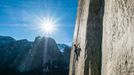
[[88, 35], [112, 54], [118, 38], [77, 66]]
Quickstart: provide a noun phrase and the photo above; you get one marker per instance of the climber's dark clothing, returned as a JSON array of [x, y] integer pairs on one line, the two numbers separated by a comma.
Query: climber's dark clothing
[[76, 50]]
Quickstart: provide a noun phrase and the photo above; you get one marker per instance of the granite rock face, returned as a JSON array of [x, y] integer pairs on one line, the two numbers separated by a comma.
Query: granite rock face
[[118, 38], [88, 36], [104, 33]]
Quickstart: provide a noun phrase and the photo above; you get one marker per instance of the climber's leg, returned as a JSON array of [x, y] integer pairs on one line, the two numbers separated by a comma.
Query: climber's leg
[[76, 53]]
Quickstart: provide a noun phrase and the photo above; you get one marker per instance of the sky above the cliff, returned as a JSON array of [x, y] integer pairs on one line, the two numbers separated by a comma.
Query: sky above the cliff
[[20, 19]]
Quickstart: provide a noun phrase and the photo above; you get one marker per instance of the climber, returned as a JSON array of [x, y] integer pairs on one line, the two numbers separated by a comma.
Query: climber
[[76, 50]]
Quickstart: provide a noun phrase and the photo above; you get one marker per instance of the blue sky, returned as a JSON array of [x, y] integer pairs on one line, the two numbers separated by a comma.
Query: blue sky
[[20, 18]]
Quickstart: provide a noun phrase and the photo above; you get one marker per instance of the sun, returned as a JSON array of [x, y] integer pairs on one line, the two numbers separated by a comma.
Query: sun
[[48, 26]]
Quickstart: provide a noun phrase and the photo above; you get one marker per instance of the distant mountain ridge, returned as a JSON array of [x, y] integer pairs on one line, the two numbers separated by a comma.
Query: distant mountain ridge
[[42, 56]]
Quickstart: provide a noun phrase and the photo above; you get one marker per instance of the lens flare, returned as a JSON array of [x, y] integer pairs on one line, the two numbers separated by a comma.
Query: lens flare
[[48, 26]]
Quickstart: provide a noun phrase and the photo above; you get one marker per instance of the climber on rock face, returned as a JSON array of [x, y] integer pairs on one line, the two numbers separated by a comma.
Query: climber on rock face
[[76, 50]]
